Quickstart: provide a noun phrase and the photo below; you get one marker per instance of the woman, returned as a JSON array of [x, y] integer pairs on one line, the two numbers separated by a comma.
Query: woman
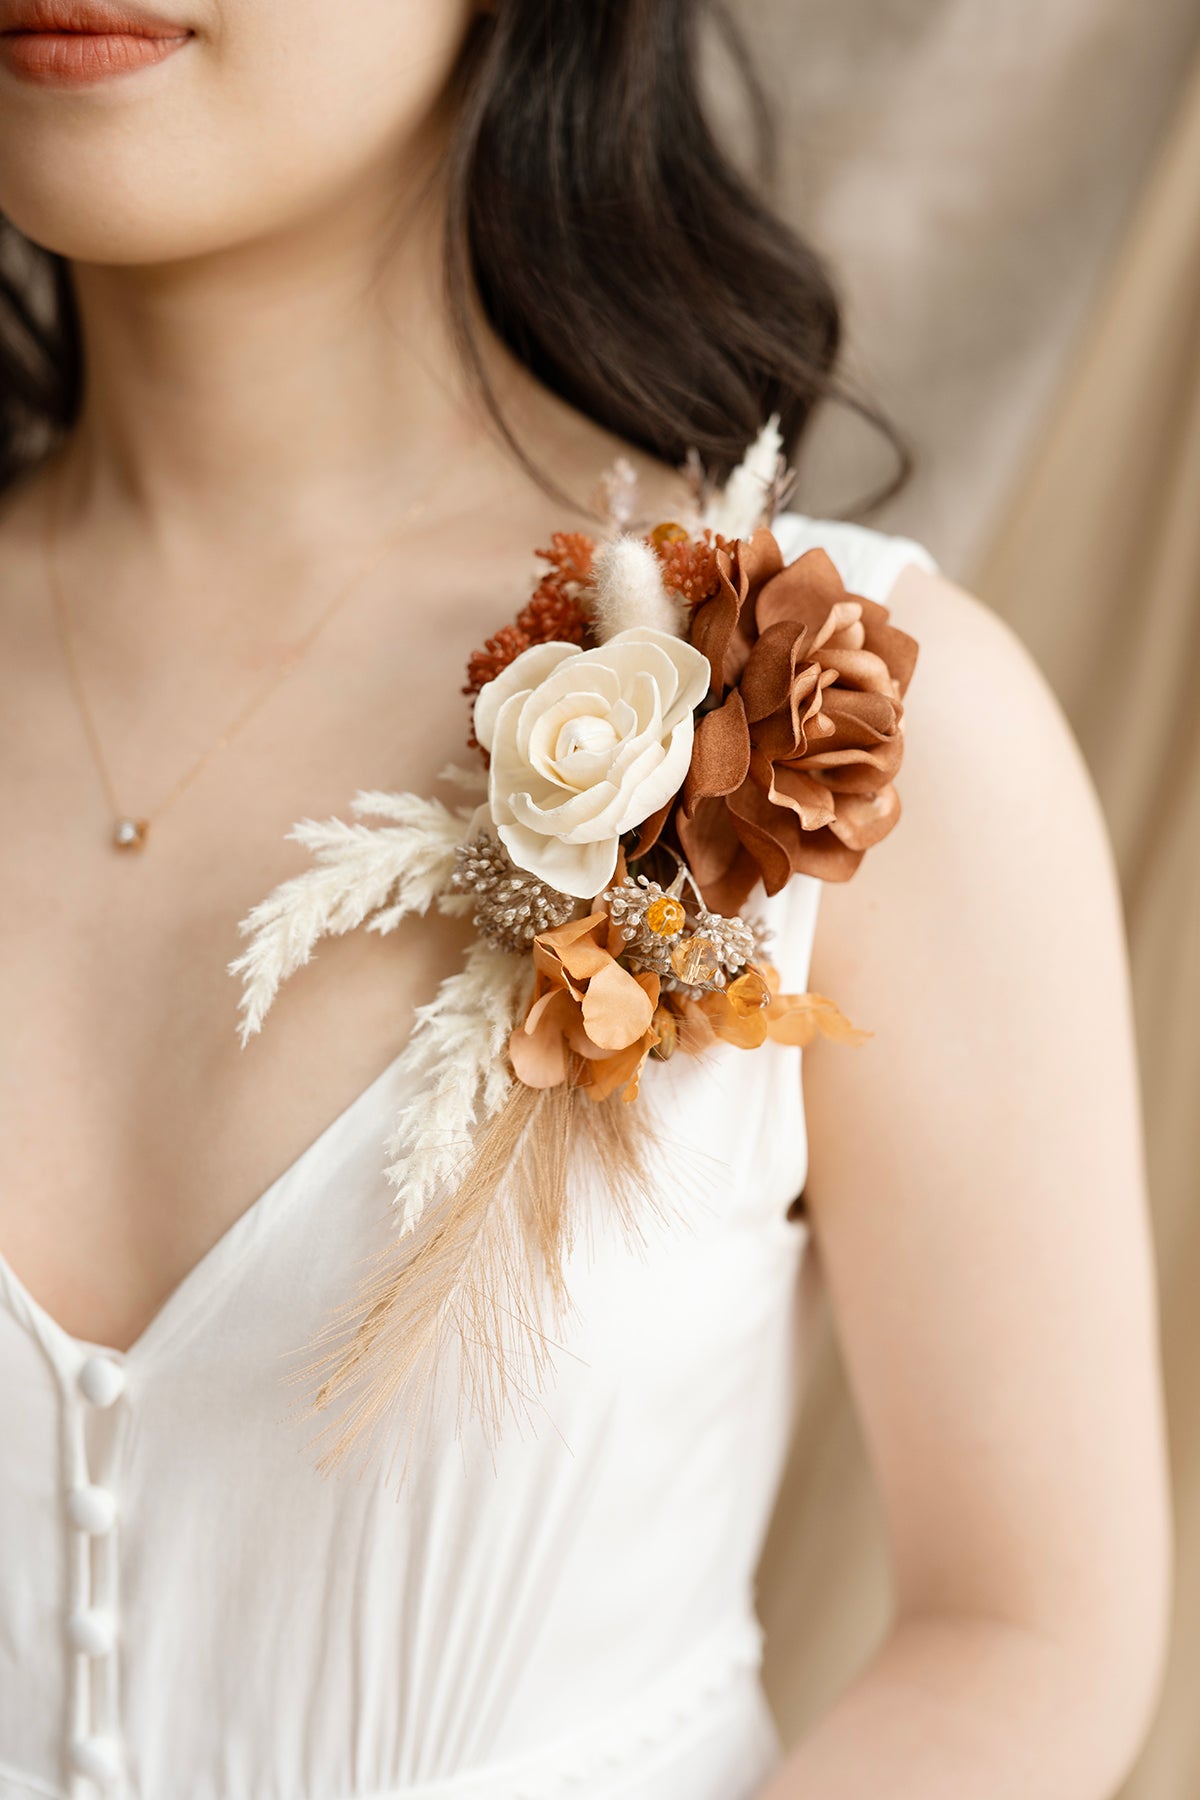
[[258, 515]]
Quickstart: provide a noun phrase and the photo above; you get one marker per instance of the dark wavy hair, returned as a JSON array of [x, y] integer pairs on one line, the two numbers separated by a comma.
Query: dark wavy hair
[[613, 243]]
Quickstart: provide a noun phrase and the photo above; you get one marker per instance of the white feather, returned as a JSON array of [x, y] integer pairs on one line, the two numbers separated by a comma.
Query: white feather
[[618, 493], [360, 870], [472, 781], [457, 1058], [627, 590], [739, 507]]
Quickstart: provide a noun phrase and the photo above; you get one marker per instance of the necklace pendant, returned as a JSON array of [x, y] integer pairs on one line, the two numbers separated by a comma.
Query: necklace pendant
[[130, 834]]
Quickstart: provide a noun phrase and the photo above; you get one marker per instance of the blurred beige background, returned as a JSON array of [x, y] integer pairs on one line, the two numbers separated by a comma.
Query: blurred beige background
[[1012, 197]]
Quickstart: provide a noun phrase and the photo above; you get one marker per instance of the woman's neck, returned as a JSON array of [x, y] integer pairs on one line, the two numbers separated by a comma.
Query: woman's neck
[[254, 396]]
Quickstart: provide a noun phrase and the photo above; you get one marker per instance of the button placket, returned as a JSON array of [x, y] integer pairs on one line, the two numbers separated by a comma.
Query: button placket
[[93, 1748]]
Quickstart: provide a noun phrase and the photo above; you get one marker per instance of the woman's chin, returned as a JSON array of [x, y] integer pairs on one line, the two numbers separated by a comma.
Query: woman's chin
[[125, 230]]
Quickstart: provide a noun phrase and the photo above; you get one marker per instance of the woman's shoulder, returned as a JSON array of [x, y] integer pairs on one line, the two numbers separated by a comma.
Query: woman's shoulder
[[1000, 838]]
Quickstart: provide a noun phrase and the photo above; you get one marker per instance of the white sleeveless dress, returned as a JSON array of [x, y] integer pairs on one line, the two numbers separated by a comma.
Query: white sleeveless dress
[[188, 1611]]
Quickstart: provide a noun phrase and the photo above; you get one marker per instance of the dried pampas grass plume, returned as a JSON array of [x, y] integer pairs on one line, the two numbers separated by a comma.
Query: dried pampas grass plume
[[616, 496], [627, 590], [380, 873], [476, 1298], [461, 1078], [750, 495]]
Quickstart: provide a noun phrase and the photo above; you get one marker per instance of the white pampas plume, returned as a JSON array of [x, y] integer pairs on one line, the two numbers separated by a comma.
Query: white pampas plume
[[617, 494], [741, 505], [627, 590], [361, 870], [471, 781], [457, 1058]]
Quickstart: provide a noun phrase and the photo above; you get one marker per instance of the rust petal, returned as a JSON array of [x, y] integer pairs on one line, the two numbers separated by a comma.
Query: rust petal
[[720, 754], [862, 820], [803, 592]]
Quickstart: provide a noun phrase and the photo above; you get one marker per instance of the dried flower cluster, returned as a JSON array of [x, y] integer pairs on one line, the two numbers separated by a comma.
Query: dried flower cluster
[[691, 949], [797, 748], [678, 704], [554, 613], [689, 565], [511, 906]]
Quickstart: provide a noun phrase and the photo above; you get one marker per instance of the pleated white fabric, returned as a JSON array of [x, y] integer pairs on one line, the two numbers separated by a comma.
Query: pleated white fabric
[[189, 1611]]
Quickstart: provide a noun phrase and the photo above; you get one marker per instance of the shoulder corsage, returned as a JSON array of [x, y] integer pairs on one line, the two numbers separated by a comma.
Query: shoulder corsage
[[675, 721]]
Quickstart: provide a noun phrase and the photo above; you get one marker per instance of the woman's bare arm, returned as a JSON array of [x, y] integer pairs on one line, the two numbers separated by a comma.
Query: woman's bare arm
[[977, 1192]]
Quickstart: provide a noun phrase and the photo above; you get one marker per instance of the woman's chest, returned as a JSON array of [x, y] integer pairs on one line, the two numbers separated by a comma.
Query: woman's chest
[[134, 1129]]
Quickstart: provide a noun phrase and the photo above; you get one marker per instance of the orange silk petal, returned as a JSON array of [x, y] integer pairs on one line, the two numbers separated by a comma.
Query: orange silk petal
[[536, 1048], [797, 1018], [624, 1070], [573, 948], [617, 1008], [747, 1033]]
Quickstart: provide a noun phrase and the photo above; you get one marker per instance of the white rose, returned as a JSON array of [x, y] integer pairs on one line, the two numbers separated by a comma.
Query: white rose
[[584, 745]]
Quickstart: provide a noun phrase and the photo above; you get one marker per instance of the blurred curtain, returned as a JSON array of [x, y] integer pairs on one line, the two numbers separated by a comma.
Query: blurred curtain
[[969, 169], [1077, 515]]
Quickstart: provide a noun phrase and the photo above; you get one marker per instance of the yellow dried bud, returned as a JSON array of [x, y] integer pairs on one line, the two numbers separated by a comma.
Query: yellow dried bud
[[668, 1035]]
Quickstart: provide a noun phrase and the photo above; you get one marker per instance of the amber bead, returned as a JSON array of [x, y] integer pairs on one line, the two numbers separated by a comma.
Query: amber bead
[[695, 961], [664, 916], [748, 994]]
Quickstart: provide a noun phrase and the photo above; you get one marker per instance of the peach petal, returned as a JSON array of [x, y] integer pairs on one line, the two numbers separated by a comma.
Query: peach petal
[[797, 1018], [747, 1032], [620, 1071], [560, 937], [538, 1055], [617, 1009]]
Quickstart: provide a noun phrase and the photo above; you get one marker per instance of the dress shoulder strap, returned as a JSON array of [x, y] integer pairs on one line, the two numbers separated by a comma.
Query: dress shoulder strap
[[868, 561]]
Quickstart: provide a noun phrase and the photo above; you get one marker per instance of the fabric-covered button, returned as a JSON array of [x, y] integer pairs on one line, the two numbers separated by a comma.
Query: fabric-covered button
[[101, 1380], [99, 1758], [93, 1509], [92, 1630]]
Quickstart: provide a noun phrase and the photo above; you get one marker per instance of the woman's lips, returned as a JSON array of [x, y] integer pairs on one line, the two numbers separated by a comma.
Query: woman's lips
[[68, 44]]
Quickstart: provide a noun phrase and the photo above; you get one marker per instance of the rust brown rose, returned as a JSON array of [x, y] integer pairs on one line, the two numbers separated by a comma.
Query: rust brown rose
[[793, 765]]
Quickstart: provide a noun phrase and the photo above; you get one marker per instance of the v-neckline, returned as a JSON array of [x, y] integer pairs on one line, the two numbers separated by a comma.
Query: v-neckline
[[203, 1278]]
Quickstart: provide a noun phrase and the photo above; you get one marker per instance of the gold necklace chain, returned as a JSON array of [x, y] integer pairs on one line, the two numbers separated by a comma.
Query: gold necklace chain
[[130, 832]]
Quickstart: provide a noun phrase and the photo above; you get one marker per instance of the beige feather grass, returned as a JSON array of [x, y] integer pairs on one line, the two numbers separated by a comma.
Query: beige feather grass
[[457, 1059], [479, 1292], [747, 498], [360, 871]]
